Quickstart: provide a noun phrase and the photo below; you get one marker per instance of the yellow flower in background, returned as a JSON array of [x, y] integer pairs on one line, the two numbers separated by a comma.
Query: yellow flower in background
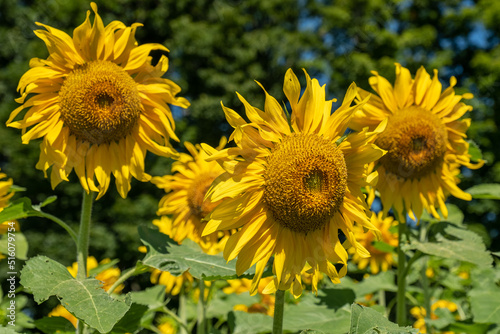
[[98, 104], [173, 284], [242, 285], [108, 276], [167, 325], [185, 201], [424, 138], [61, 311], [379, 259], [418, 312], [290, 189], [5, 193]]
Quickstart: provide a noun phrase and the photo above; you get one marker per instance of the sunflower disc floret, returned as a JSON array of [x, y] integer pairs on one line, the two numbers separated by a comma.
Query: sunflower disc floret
[[305, 182]]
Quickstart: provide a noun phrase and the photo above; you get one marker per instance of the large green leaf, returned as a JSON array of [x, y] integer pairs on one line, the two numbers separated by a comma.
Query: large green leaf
[[365, 320], [485, 190], [166, 255], [457, 243], [85, 299]]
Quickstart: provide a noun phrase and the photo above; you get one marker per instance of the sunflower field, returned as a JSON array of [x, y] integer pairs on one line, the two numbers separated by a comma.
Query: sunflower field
[[257, 166]]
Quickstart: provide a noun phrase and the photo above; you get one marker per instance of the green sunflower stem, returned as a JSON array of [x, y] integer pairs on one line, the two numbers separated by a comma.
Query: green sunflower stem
[[201, 323], [424, 280], [279, 304], [400, 297], [182, 310], [82, 246]]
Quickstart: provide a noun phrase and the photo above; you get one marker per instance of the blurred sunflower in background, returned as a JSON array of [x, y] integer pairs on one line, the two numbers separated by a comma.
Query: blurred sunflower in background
[[424, 138], [243, 285], [382, 254], [290, 190], [185, 201], [98, 104], [5, 193], [5, 196], [419, 313], [103, 271]]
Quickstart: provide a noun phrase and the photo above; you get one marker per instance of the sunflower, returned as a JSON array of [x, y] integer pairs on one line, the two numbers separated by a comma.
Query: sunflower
[[424, 138], [5, 193], [418, 312], [98, 103], [186, 189], [173, 284], [379, 259], [243, 285], [291, 190]]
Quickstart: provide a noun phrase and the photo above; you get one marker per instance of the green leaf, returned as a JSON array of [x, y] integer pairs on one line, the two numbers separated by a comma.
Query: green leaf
[[243, 323], [132, 319], [485, 306], [365, 320], [166, 255], [47, 201], [484, 295], [485, 191], [152, 297], [8, 330], [467, 246], [50, 325], [21, 245], [20, 208], [85, 299], [311, 316], [474, 151], [462, 327]]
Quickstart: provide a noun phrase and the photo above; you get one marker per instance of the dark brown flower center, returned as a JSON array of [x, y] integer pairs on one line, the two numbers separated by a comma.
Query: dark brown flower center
[[196, 195], [416, 143], [99, 102], [305, 182]]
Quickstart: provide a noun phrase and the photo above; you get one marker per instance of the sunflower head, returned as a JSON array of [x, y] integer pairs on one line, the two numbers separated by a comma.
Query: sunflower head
[[424, 139], [5, 190], [380, 259], [98, 104], [290, 188], [185, 200]]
